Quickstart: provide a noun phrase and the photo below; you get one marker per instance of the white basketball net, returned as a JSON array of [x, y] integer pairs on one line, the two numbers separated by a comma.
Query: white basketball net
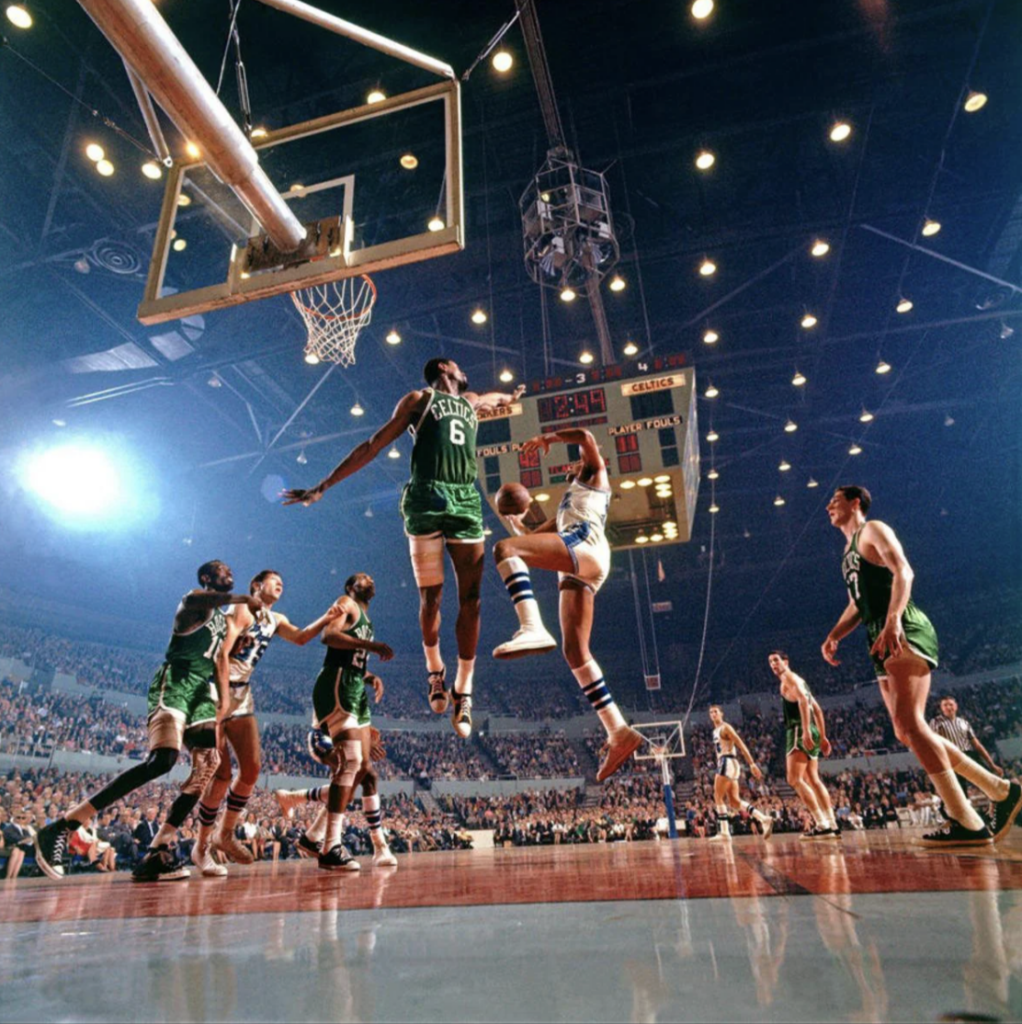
[[334, 313]]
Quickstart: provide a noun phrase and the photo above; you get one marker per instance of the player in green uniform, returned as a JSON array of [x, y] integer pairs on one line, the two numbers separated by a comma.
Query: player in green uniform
[[903, 645], [441, 508], [341, 706], [186, 708], [804, 717]]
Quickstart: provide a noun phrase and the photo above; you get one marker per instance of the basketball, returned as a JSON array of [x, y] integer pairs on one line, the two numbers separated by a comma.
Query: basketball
[[513, 500]]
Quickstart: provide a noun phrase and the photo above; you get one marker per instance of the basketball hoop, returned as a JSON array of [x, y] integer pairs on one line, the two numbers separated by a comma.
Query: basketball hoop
[[334, 313]]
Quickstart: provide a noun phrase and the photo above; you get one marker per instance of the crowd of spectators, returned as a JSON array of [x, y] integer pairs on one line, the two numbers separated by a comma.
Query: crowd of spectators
[[534, 755]]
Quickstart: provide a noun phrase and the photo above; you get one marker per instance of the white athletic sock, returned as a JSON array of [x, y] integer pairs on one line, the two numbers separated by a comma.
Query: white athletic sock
[[166, 836], [723, 822], [812, 805], [317, 830], [590, 678], [754, 811], [334, 827], [374, 819], [463, 680], [949, 789], [995, 788], [434, 663], [515, 574]]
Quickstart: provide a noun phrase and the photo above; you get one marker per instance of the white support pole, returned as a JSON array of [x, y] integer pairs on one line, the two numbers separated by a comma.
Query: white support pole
[[345, 28]]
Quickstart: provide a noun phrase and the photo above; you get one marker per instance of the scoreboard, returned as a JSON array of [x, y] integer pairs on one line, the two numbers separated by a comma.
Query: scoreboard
[[642, 414]]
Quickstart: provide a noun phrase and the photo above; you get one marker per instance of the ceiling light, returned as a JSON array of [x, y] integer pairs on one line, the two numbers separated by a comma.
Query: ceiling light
[[215, 381], [949, 420], [631, 348], [973, 102], [799, 379], [779, 501], [714, 508], [479, 316], [409, 161], [1006, 331], [298, 189], [642, 539], [542, 497], [840, 131], [487, 532], [567, 294], [930, 227], [192, 150], [586, 358], [711, 337], [357, 410], [311, 358], [180, 244], [883, 367], [105, 168], [707, 268], [506, 376], [702, 9], [59, 423], [502, 61], [790, 427], [712, 475], [393, 338], [656, 537], [663, 478], [644, 481], [184, 199], [436, 223], [94, 151], [259, 132], [152, 170], [712, 436], [394, 453], [82, 265], [19, 17], [784, 465], [705, 160], [376, 96], [865, 416], [711, 391], [855, 450], [617, 283], [627, 485], [809, 321], [812, 483], [301, 458], [820, 247], [904, 305]]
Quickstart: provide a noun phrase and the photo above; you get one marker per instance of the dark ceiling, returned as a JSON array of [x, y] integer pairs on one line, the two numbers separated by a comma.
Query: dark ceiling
[[641, 88]]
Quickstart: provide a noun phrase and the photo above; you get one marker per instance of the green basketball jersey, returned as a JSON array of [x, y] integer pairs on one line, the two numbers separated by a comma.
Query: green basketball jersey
[[199, 648], [353, 661], [341, 681], [445, 441], [869, 585]]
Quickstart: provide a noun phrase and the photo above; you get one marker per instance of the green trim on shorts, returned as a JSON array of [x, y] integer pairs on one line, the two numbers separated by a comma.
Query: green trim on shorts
[[453, 511], [793, 742], [181, 687], [919, 633]]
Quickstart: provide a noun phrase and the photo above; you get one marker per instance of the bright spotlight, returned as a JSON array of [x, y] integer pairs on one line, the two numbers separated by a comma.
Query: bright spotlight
[[77, 481]]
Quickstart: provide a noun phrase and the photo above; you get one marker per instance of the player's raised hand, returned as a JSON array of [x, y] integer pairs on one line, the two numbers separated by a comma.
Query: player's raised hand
[[335, 611], [516, 523], [518, 392], [382, 651], [302, 496], [538, 443], [829, 651]]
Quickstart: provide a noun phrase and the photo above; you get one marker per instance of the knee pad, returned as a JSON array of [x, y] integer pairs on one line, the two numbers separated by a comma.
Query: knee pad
[[204, 765], [345, 774], [160, 761], [427, 560]]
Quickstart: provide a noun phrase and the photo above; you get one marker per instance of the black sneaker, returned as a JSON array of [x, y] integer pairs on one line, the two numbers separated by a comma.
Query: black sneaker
[[307, 847], [1006, 810], [51, 848], [438, 699], [461, 719], [159, 865], [954, 834], [338, 859]]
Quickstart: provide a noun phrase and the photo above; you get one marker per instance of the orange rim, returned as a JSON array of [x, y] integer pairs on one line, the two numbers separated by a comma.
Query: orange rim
[[342, 316]]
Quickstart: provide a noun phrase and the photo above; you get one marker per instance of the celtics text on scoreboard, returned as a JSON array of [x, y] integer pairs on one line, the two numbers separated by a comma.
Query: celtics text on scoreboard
[[643, 414]]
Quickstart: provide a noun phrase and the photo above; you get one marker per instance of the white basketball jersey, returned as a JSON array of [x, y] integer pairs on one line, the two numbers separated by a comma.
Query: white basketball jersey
[[722, 746], [258, 637], [584, 504]]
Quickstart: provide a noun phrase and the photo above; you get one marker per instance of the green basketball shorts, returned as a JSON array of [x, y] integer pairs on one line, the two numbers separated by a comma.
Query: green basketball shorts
[[451, 511], [182, 688], [919, 633], [793, 741]]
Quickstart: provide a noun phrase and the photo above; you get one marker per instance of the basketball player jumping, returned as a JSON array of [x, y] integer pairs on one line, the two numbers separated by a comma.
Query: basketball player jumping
[[341, 705], [575, 546], [441, 508], [903, 645], [248, 636], [726, 793], [185, 709], [805, 735]]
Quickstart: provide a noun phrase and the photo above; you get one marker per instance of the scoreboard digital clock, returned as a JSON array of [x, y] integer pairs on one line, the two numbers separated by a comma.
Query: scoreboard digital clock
[[643, 414]]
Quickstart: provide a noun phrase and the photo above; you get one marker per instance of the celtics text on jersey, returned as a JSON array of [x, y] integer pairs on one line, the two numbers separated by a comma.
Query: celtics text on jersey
[[444, 449]]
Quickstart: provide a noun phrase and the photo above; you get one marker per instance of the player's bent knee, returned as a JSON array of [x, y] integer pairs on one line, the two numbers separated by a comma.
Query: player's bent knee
[[160, 761], [369, 780], [427, 562], [249, 773], [204, 765], [351, 751]]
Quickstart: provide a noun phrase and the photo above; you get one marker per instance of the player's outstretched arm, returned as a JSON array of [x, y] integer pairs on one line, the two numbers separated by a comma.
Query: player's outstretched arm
[[850, 618], [334, 634], [290, 632], [197, 604], [493, 399], [362, 454], [516, 525], [744, 751]]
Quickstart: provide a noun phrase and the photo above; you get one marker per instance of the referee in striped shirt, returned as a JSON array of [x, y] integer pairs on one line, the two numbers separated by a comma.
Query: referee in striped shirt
[[957, 730]]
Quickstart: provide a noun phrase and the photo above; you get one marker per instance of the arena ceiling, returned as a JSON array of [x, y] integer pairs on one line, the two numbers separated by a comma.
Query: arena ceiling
[[642, 88]]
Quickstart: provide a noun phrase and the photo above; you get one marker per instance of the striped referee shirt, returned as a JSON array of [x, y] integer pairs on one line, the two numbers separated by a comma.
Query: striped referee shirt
[[955, 730]]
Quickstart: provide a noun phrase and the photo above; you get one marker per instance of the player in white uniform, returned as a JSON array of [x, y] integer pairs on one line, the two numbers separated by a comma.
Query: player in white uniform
[[248, 636], [729, 771], [574, 545]]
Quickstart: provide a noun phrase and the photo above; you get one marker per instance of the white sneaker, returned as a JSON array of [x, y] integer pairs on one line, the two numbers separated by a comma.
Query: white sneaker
[[525, 641], [289, 799], [720, 837], [384, 858], [203, 860], [767, 825]]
